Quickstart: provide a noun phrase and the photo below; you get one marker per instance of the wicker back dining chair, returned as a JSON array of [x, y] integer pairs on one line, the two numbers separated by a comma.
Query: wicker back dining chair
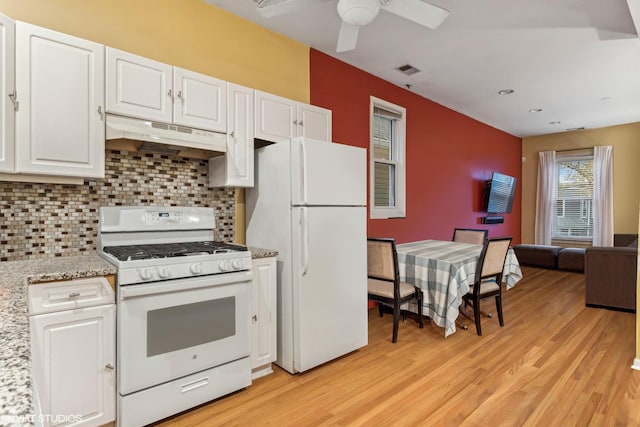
[[469, 235], [384, 285], [488, 278]]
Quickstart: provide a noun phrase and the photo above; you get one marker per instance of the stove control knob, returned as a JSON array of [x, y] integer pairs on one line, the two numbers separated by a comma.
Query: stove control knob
[[145, 274], [236, 264], [163, 272], [224, 265], [196, 268]]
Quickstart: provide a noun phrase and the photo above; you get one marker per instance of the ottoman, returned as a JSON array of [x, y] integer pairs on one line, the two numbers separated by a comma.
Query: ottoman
[[571, 259], [537, 255]]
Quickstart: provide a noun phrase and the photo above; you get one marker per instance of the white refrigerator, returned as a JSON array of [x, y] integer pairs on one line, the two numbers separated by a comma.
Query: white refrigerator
[[309, 203]]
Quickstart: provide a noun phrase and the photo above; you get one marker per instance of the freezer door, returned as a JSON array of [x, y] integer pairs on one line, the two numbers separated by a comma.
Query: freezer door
[[327, 174], [329, 283]]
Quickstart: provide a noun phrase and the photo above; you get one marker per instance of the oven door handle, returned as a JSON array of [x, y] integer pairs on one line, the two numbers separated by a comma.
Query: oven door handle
[[132, 291]]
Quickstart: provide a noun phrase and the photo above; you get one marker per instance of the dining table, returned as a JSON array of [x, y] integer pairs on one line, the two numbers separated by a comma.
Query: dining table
[[445, 271]]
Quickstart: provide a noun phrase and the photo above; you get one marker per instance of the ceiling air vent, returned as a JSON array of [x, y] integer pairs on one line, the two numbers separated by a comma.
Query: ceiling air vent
[[408, 69]]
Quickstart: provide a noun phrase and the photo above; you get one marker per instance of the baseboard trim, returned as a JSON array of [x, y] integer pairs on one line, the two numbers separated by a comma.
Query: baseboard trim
[[608, 307], [636, 364]]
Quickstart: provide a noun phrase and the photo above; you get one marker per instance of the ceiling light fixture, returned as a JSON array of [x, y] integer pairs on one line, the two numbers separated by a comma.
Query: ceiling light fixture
[[535, 110], [505, 92], [358, 12]]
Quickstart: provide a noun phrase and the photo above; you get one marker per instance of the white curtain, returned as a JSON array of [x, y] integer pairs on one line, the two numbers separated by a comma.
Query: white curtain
[[603, 195], [545, 197]]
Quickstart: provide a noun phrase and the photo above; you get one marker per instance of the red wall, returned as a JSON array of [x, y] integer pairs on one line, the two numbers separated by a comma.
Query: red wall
[[448, 155]]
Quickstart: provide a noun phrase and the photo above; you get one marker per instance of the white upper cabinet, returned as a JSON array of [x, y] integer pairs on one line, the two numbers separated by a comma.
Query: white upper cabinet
[[275, 117], [279, 119], [7, 87], [147, 89], [60, 90], [139, 87], [235, 168], [200, 100], [314, 122]]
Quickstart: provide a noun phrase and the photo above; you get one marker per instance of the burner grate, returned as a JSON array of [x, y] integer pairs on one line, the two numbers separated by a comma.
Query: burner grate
[[169, 250]]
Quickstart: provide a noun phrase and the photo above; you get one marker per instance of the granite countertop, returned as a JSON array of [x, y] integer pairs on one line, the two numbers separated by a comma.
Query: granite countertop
[[15, 359], [261, 253]]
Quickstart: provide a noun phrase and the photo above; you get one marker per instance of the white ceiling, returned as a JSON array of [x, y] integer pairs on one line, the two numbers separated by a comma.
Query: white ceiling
[[577, 60]]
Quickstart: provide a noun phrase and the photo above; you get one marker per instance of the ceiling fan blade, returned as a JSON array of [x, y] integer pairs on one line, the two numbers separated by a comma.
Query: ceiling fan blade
[[271, 9], [348, 37], [425, 14]]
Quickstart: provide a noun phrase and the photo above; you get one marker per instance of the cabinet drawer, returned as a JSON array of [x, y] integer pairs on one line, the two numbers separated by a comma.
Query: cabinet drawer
[[67, 295]]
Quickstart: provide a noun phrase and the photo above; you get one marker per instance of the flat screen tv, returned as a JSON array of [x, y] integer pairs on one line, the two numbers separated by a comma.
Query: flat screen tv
[[499, 193]]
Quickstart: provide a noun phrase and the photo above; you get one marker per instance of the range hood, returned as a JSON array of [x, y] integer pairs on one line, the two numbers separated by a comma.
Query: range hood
[[128, 128]]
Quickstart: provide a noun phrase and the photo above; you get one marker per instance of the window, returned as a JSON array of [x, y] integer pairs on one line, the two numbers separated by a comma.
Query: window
[[574, 198], [387, 152]]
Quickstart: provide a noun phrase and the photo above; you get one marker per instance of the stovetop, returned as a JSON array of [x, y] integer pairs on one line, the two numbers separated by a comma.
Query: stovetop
[[170, 250]]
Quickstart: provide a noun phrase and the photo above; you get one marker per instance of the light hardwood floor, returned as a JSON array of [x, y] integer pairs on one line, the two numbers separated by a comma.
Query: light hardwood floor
[[554, 363]]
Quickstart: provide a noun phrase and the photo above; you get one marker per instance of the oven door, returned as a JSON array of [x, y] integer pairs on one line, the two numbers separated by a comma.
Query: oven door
[[170, 329]]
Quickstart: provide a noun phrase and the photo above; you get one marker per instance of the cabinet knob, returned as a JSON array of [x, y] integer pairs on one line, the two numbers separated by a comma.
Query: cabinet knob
[[255, 317], [170, 93], [74, 295], [295, 122], [180, 94], [100, 112], [301, 124], [109, 366]]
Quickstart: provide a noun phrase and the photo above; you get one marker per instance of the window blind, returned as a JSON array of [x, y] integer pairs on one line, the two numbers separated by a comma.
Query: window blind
[[384, 112], [574, 198]]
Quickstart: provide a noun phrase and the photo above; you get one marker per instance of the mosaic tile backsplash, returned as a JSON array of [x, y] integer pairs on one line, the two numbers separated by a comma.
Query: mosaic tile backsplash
[[44, 220]]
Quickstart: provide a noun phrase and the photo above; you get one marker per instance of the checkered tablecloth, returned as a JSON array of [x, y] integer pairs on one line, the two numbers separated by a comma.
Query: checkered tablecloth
[[444, 271]]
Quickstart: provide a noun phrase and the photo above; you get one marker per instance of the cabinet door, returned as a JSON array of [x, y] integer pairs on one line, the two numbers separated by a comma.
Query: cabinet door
[[275, 117], [139, 87], [73, 358], [201, 101], [264, 341], [60, 120], [235, 168], [7, 86], [314, 122]]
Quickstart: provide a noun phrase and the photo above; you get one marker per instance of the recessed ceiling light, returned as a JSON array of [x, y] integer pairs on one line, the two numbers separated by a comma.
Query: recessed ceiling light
[[505, 92], [535, 110], [555, 122]]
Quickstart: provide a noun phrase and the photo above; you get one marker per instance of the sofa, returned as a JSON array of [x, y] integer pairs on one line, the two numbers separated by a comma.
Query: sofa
[[551, 257], [611, 274]]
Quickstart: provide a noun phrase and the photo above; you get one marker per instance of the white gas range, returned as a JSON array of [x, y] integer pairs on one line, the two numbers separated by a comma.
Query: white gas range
[[183, 314]]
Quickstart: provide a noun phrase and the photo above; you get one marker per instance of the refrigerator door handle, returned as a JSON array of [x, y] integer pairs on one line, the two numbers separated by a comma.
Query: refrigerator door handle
[[303, 173], [305, 240]]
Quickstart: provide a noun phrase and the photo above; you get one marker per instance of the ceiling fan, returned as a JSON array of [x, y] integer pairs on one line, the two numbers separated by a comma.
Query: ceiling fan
[[356, 13]]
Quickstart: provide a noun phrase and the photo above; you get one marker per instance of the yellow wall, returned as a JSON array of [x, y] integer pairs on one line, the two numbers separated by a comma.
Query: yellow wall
[[187, 33], [625, 140]]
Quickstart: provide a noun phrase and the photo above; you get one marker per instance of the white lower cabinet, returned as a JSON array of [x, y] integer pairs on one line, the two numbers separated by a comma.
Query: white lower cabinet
[[264, 316], [73, 354]]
